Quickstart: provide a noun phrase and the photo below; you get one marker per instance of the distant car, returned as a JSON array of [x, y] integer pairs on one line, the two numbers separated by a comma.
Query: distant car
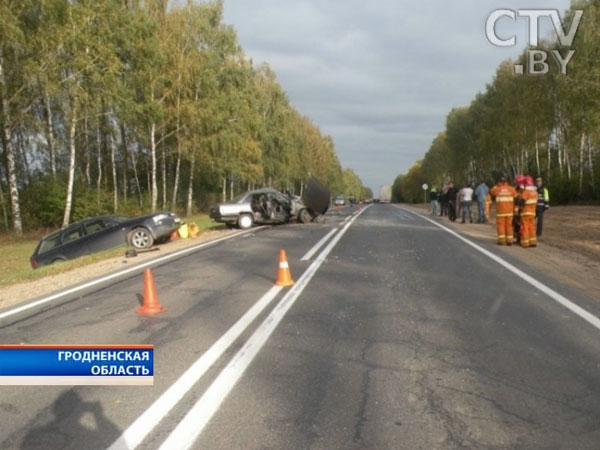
[[102, 233], [268, 206], [339, 200]]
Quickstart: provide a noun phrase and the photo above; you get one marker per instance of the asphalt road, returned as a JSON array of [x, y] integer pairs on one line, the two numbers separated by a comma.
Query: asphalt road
[[397, 335]]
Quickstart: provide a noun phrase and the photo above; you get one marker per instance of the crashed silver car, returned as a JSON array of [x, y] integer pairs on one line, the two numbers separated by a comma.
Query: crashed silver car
[[267, 206]]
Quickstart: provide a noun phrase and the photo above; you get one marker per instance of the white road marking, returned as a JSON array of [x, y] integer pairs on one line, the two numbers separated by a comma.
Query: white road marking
[[144, 424], [186, 432], [578, 310], [57, 295], [318, 245]]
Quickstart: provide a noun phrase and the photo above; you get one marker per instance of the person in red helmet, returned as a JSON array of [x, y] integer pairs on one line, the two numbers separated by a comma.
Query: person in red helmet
[[529, 198]]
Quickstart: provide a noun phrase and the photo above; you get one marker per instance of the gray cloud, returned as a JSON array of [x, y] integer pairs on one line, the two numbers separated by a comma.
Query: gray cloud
[[379, 77]]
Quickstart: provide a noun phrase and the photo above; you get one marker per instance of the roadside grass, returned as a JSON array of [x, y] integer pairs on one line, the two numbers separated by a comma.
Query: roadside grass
[[204, 222], [15, 266]]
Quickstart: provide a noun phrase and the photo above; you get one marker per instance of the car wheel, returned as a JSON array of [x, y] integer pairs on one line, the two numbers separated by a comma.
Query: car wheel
[[304, 216], [245, 221], [140, 238]]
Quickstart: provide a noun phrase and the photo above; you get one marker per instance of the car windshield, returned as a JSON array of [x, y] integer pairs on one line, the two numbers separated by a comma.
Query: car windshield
[[240, 198]]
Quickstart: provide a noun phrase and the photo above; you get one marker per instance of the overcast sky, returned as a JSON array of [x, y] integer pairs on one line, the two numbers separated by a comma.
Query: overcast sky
[[379, 76]]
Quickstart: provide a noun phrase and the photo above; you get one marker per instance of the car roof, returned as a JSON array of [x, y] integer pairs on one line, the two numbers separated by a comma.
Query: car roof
[[267, 190], [77, 222]]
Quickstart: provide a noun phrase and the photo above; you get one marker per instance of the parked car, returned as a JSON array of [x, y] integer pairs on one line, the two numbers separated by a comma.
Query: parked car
[[269, 206], [102, 233], [339, 200]]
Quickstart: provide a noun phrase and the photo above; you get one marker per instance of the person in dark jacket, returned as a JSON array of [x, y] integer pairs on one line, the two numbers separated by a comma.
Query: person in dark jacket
[[543, 204], [451, 201]]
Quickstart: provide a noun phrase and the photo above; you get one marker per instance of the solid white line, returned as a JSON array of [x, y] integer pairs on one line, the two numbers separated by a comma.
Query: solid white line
[[186, 432], [144, 424], [578, 310], [117, 274], [318, 245]]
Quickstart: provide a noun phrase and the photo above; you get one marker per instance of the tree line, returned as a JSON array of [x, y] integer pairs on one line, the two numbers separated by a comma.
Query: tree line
[[544, 125], [126, 105]]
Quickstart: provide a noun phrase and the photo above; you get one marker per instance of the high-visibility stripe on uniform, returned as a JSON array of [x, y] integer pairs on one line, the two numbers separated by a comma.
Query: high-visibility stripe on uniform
[[504, 199], [505, 215], [531, 202]]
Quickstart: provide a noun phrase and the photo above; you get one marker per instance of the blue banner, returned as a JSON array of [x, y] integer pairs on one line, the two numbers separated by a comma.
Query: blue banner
[[86, 361]]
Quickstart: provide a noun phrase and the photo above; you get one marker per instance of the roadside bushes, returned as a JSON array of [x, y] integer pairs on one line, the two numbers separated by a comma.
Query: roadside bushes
[[43, 203]]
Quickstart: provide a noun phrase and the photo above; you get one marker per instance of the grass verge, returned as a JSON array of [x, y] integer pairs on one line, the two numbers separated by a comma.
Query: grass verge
[[15, 266]]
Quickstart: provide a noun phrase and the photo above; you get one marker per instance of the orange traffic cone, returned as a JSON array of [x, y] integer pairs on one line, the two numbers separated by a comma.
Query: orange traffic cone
[[151, 305], [284, 277]]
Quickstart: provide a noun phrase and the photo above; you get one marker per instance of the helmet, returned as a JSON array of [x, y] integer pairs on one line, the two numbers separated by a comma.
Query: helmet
[[528, 180], [520, 180]]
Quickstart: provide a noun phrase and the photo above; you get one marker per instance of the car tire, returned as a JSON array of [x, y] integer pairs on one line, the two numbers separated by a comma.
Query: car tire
[[305, 216], [140, 238], [58, 260], [245, 221]]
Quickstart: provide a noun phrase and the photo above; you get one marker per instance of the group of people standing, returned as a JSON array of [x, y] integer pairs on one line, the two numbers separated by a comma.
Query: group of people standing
[[459, 202], [519, 210]]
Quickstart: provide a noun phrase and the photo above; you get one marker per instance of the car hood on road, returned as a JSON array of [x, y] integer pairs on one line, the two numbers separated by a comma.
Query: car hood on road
[[316, 196]]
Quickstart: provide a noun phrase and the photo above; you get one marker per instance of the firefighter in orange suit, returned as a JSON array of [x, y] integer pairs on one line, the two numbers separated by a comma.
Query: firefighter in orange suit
[[504, 195], [529, 196]]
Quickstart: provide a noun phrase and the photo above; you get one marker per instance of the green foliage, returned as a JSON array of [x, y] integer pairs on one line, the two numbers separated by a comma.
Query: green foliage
[[161, 98], [43, 203], [407, 188]]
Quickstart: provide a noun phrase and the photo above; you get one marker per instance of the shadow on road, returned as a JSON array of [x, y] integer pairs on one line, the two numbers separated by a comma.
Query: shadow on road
[[77, 424]]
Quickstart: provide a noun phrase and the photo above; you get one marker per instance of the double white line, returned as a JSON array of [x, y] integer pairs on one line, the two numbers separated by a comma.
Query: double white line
[[187, 431]]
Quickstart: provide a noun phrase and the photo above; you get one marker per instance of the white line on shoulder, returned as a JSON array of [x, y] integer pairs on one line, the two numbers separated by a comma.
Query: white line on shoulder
[[578, 310]]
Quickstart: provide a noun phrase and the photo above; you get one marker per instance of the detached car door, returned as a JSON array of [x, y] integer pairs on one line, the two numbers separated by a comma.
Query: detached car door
[[103, 234]]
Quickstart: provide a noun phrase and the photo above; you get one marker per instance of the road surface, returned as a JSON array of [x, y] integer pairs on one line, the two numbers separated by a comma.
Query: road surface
[[397, 335]]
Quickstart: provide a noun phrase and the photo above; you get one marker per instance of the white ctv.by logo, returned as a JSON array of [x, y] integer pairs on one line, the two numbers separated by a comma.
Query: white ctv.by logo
[[536, 59]]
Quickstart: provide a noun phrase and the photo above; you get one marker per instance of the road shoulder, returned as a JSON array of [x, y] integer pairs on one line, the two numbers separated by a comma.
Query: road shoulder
[[19, 293], [577, 270]]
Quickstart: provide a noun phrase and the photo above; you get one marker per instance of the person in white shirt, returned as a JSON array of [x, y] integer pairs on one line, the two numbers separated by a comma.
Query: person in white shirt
[[466, 199]]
